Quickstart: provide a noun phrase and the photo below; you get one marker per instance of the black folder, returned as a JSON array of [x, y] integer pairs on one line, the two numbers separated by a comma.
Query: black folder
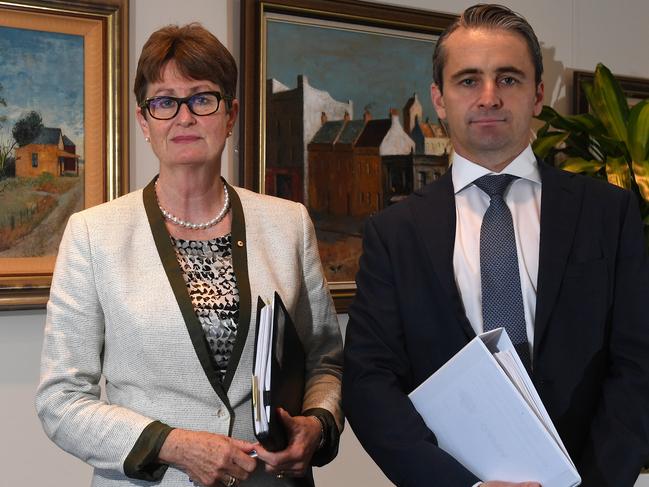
[[287, 371]]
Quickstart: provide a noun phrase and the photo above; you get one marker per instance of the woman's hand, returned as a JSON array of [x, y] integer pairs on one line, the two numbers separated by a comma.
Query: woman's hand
[[304, 437], [208, 459]]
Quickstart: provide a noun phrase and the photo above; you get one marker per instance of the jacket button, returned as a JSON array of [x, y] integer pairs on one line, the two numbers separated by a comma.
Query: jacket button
[[221, 413], [239, 243]]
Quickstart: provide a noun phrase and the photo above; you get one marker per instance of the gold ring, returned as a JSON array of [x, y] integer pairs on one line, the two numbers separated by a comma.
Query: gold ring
[[280, 475], [231, 481]]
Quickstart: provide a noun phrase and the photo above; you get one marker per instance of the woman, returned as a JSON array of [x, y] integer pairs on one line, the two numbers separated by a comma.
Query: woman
[[157, 292]]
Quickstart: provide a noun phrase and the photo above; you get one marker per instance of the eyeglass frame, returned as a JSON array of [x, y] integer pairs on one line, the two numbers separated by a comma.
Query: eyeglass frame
[[185, 100]]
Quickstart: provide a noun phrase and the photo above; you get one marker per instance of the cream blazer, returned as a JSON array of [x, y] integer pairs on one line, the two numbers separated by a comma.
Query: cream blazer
[[119, 309]]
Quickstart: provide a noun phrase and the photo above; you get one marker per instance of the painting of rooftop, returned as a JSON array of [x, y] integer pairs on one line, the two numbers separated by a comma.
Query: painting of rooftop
[[41, 139]]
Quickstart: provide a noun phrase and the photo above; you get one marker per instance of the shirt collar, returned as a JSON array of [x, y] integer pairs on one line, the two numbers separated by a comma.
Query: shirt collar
[[464, 172]]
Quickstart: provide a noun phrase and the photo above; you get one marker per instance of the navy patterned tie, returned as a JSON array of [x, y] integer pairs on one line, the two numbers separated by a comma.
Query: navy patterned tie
[[502, 299]]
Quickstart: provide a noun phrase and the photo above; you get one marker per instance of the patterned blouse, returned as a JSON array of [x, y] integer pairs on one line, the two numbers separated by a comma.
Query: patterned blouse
[[212, 285]]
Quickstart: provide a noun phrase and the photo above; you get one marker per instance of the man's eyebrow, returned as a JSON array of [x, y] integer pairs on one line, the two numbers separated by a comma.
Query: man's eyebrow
[[511, 69], [503, 69], [464, 72]]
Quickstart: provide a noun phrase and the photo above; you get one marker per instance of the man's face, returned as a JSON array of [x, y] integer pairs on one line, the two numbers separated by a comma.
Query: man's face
[[490, 95]]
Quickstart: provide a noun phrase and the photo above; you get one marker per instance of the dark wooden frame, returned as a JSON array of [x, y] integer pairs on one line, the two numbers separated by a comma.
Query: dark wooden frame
[[348, 11], [632, 87], [28, 289]]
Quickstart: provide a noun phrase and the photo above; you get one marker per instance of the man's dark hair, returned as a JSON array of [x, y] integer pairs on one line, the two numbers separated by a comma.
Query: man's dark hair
[[489, 16]]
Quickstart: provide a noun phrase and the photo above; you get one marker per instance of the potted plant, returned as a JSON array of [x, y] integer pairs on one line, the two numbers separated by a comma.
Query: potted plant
[[611, 142]]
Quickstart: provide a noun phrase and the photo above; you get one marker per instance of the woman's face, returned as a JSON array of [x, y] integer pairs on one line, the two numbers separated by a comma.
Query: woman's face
[[186, 139]]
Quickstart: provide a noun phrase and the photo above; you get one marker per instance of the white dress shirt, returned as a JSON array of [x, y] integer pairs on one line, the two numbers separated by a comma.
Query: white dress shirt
[[523, 197]]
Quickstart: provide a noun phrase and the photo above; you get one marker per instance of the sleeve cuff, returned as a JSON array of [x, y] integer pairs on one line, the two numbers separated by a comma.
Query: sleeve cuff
[[329, 448], [142, 461]]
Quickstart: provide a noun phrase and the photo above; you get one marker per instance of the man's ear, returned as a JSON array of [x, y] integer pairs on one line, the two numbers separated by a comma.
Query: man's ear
[[538, 98], [438, 100]]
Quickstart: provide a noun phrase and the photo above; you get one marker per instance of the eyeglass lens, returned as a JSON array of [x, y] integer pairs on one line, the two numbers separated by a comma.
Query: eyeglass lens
[[166, 107]]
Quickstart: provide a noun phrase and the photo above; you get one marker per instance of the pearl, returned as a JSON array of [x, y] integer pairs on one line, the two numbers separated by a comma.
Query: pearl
[[197, 226]]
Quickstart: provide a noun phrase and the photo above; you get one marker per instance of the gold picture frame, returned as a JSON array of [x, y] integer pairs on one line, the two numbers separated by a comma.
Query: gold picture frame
[[358, 17], [103, 27]]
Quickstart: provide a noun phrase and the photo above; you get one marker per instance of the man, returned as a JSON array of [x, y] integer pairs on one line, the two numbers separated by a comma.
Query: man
[[581, 276]]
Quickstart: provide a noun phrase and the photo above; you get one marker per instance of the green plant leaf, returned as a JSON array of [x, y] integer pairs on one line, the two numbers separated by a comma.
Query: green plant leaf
[[547, 114], [638, 130], [580, 165], [641, 174], [543, 145], [609, 146], [618, 172], [583, 122], [543, 130], [608, 102], [588, 123]]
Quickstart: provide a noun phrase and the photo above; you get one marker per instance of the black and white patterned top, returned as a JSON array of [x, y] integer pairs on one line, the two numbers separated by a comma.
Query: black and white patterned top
[[212, 285]]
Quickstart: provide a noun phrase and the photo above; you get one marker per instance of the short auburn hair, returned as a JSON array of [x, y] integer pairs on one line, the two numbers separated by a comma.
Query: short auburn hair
[[198, 54]]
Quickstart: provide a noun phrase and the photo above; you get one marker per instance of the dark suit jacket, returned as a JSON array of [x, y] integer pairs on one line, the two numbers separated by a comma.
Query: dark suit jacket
[[591, 333]]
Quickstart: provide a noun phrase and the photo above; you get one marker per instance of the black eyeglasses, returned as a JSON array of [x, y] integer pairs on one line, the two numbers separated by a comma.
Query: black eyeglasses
[[201, 104]]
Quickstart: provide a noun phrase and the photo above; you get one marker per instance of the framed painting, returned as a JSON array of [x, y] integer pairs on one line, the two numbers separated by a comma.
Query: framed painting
[[336, 114], [635, 89], [63, 130]]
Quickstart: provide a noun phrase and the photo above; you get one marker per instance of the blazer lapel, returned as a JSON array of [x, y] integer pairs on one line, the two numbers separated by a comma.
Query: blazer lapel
[[560, 207], [177, 282], [240, 265], [433, 209]]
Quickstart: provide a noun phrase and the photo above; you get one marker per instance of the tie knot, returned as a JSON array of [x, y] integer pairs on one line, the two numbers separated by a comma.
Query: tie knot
[[494, 184]]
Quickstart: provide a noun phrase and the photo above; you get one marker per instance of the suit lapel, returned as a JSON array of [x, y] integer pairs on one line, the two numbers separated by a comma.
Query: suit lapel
[[560, 207], [177, 282], [434, 213], [240, 265]]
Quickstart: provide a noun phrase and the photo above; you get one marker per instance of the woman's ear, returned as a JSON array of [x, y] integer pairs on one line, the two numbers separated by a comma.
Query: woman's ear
[[141, 119], [232, 114]]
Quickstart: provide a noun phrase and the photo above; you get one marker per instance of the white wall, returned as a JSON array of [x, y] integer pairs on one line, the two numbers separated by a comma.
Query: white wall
[[575, 34]]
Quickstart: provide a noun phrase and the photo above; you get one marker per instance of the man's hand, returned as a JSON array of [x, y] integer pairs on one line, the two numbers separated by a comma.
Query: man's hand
[[207, 458], [304, 437]]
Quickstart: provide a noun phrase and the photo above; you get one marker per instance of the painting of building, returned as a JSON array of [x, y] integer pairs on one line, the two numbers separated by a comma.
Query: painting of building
[[358, 167], [293, 116], [50, 152], [352, 166], [432, 145], [43, 86]]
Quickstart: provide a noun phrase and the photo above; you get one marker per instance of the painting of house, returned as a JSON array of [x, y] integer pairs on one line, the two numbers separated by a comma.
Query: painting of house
[[432, 144], [432, 151], [50, 152], [293, 116], [43, 79], [352, 164], [358, 167]]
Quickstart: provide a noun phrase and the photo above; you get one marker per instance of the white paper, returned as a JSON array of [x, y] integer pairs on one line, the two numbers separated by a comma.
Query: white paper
[[481, 418], [261, 374]]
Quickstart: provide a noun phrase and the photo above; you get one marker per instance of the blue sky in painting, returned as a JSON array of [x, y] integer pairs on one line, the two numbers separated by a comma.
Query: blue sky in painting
[[43, 71], [375, 70]]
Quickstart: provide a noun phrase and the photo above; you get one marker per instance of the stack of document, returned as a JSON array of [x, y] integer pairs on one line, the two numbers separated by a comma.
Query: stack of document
[[262, 368], [485, 412], [278, 372]]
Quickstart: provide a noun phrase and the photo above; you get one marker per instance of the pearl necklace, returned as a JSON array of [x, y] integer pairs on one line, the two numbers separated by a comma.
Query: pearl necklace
[[197, 226]]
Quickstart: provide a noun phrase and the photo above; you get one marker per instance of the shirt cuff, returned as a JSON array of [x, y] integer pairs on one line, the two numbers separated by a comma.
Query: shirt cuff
[[142, 461]]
